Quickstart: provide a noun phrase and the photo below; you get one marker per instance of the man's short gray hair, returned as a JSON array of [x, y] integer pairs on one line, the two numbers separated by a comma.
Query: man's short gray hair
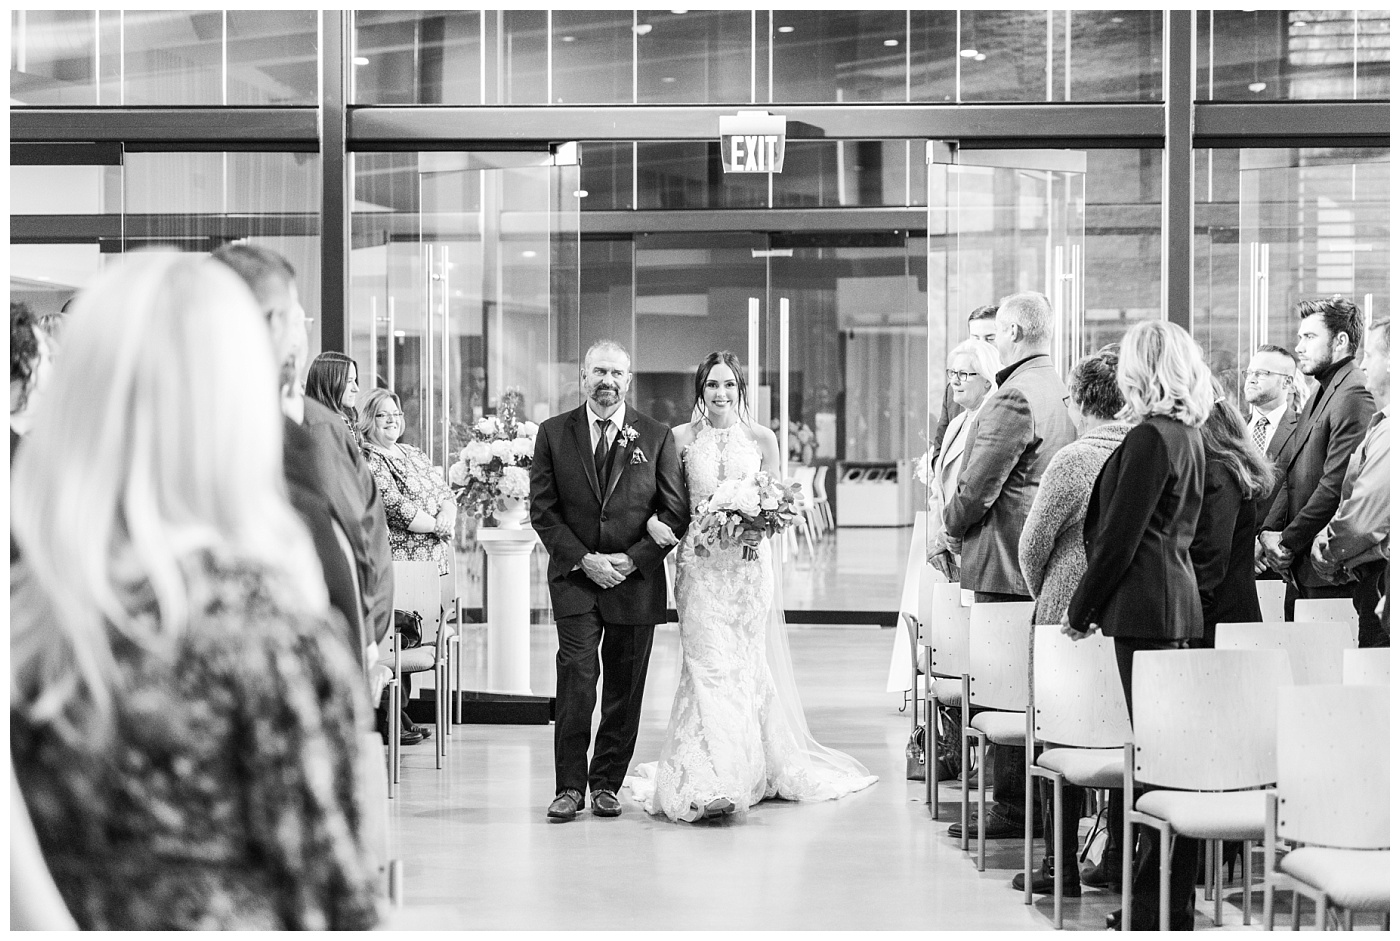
[[611, 346], [1032, 312]]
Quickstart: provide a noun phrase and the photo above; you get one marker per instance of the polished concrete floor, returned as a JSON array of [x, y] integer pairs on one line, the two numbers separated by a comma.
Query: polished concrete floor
[[480, 854]]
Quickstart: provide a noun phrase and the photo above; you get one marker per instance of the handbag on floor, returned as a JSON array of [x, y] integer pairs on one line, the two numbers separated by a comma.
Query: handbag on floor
[[914, 769], [409, 625]]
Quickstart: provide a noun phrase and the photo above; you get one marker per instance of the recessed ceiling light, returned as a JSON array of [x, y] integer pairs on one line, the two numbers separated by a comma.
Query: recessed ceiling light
[[680, 12], [528, 254], [580, 194], [968, 53], [980, 57], [1257, 87], [641, 29], [786, 29], [668, 79], [1117, 19], [566, 39], [892, 42], [361, 60]]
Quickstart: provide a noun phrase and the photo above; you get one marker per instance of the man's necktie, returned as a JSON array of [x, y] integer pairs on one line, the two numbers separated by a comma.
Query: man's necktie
[[1261, 432], [600, 453]]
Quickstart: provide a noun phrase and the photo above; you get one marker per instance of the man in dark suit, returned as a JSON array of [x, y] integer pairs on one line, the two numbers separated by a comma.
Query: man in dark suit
[[599, 472], [981, 324], [1271, 420], [1313, 465], [1019, 428]]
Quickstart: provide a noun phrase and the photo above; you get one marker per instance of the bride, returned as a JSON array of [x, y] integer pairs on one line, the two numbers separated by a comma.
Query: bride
[[737, 733]]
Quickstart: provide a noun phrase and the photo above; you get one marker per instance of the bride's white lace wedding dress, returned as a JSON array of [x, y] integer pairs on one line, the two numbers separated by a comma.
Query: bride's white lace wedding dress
[[737, 730]]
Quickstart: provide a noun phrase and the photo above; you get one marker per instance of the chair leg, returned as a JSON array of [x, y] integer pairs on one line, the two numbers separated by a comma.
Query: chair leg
[[396, 883], [966, 760], [1248, 879], [395, 734], [1059, 852], [1164, 868], [1348, 919], [1268, 900], [1296, 916], [439, 681], [981, 803], [930, 747], [1126, 924], [1217, 854], [1320, 918]]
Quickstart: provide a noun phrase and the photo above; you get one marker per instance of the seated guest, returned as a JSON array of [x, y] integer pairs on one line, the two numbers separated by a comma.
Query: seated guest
[[1052, 561], [1238, 475], [185, 718], [1355, 544]]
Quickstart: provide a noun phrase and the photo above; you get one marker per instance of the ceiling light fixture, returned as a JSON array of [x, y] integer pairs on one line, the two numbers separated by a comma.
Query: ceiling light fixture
[[580, 194], [1257, 87], [566, 39], [528, 254], [980, 57], [968, 53], [668, 79], [641, 29], [892, 42], [786, 29], [361, 60]]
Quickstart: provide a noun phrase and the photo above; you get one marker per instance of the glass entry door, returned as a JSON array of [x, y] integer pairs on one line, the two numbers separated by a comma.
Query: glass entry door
[[472, 295]]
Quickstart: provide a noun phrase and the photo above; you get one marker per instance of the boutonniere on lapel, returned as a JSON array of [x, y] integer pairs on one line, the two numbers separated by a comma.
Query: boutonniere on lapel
[[629, 437]]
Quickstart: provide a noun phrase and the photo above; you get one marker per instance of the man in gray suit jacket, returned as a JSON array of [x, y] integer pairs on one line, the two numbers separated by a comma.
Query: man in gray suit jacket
[[1018, 430], [1313, 465]]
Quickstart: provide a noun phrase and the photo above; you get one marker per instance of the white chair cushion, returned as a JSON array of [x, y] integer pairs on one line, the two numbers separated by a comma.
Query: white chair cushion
[[415, 660], [1209, 815], [1002, 728], [947, 691], [1086, 767], [1354, 879]]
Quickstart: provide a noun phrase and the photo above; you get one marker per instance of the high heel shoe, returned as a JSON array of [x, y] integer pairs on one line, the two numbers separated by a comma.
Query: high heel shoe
[[718, 807]]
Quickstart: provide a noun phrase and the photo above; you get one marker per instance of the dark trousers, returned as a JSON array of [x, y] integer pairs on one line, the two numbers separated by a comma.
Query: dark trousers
[[1366, 594], [626, 649], [1182, 887], [1008, 761], [1291, 595]]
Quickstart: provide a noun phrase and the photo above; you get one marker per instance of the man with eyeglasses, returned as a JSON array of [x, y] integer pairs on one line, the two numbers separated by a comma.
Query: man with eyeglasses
[[1272, 418]]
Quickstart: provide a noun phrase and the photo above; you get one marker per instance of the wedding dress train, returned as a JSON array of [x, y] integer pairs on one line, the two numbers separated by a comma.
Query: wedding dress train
[[737, 730]]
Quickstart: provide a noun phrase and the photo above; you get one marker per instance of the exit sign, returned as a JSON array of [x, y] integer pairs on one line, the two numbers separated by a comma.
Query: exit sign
[[752, 142]]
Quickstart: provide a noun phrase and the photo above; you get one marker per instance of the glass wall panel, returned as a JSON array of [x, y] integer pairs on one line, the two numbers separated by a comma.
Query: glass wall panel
[[592, 57], [1114, 55], [1002, 55], [1274, 227], [933, 55], [689, 175], [53, 57], [1262, 55], [411, 57], [695, 56], [606, 175], [836, 56]]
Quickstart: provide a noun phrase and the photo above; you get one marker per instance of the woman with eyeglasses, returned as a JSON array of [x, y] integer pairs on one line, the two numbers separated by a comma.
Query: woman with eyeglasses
[[972, 369]]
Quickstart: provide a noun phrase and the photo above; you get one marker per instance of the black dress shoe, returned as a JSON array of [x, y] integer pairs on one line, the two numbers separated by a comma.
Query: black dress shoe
[[1105, 874], [566, 805], [605, 803], [422, 731], [410, 737], [998, 828], [1044, 883]]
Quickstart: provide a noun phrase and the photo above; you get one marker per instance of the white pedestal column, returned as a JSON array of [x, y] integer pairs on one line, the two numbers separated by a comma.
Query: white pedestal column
[[507, 608]]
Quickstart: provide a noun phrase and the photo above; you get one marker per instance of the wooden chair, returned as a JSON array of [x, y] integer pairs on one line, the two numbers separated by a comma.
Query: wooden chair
[[998, 683], [1330, 813], [947, 624], [1204, 734], [1328, 609], [1314, 649], [1368, 667], [1080, 713], [1271, 591]]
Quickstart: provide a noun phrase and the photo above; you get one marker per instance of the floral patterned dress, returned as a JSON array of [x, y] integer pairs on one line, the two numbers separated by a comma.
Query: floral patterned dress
[[225, 795], [408, 485]]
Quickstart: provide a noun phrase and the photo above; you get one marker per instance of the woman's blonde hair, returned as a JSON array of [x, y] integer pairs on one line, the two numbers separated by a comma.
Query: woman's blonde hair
[[984, 357], [1162, 372], [159, 438], [367, 407]]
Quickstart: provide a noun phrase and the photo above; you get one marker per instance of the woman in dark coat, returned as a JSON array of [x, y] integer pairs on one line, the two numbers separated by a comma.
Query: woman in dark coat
[[1237, 474], [1139, 585]]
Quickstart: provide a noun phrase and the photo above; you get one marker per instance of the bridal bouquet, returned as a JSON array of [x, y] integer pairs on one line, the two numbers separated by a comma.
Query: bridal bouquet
[[494, 466], [749, 504]]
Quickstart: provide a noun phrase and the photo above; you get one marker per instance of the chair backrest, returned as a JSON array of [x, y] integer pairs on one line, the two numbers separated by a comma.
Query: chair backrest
[[1078, 692], [417, 587], [948, 628], [998, 652], [804, 475], [914, 560], [819, 481], [1206, 720], [1314, 649], [1368, 667], [1270, 591], [1327, 609], [1334, 766]]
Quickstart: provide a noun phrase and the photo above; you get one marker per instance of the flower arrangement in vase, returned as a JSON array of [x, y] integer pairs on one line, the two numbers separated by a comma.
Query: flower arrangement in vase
[[491, 477]]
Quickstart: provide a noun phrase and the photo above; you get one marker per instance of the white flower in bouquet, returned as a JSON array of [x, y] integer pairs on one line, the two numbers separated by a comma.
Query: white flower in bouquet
[[488, 426], [529, 429], [477, 453], [457, 474], [515, 482], [744, 507], [503, 450], [747, 501], [524, 450]]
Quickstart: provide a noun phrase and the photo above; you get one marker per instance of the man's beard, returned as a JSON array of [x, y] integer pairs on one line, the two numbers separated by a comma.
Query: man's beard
[[611, 393], [1320, 365]]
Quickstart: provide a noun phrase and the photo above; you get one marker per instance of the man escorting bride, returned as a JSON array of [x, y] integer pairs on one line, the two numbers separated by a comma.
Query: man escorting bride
[[737, 733]]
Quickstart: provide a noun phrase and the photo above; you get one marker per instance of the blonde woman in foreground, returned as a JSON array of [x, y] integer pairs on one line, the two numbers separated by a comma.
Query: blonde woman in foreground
[[185, 720]]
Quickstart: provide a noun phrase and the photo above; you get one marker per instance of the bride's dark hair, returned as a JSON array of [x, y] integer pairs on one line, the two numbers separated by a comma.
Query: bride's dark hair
[[703, 373]]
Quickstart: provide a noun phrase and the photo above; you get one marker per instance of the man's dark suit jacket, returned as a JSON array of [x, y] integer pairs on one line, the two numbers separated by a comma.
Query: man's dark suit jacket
[[575, 514], [306, 488], [358, 508], [1287, 425], [1314, 463], [1223, 553], [1141, 520]]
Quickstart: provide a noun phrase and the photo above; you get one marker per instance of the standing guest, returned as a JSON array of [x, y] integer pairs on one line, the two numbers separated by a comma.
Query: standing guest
[[309, 469], [1332, 423], [981, 325], [332, 387], [1237, 476], [972, 375], [1052, 562], [1018, 430], [184, 717], [1139, 586], [1357, 540], [30, 361], [1270, 392]]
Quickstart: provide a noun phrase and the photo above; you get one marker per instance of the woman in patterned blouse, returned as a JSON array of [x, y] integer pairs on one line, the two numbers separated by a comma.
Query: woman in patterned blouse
[[417, 500], [185, 719]]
